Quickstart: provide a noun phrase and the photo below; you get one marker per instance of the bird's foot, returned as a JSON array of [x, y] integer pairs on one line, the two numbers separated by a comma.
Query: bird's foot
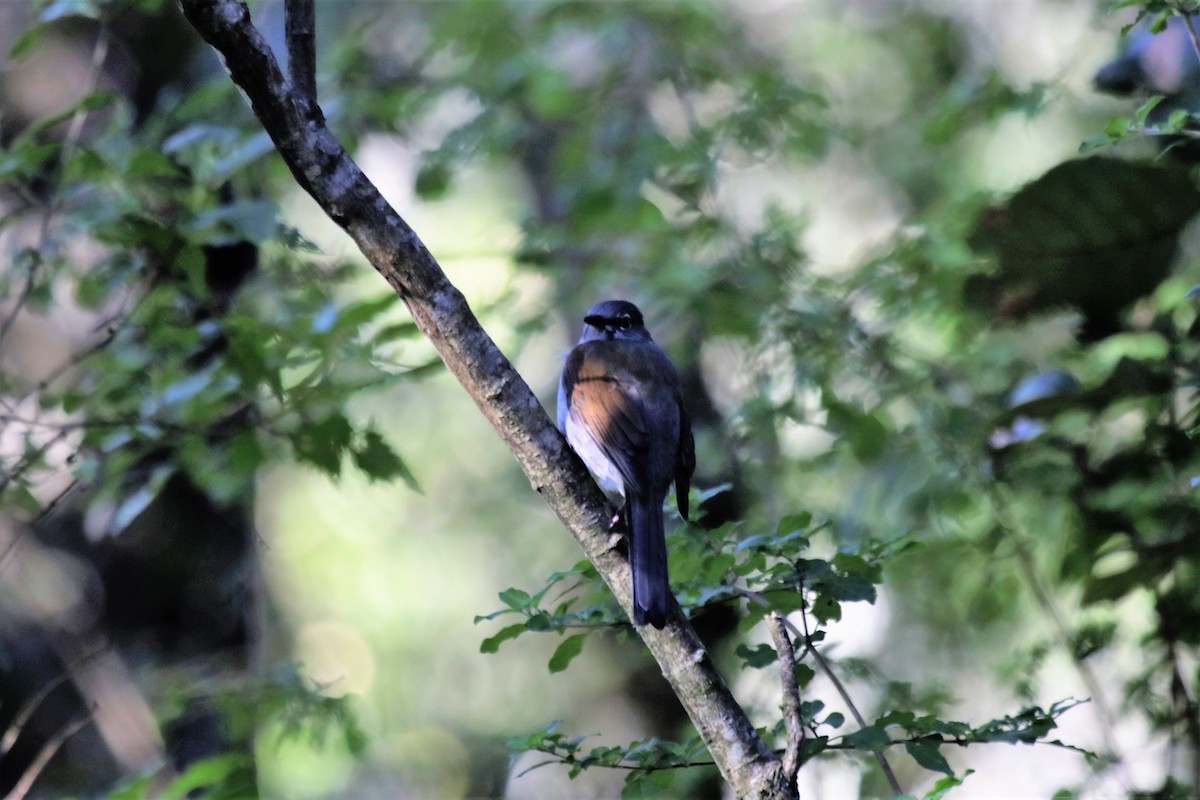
[[617, 528]]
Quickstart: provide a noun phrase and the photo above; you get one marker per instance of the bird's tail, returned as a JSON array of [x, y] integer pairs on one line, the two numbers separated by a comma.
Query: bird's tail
[[648, 561]]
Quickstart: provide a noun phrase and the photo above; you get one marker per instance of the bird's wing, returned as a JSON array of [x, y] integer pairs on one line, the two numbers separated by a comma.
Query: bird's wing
[[611, 412]]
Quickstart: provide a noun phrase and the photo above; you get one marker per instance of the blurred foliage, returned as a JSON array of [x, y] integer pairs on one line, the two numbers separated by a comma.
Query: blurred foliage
[[985, 414], [282, 701]]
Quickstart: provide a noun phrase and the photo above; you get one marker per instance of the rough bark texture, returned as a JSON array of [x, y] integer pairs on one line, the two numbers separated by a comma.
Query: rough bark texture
[[322, 166]]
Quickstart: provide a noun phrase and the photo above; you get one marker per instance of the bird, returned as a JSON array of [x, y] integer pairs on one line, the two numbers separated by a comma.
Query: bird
[[621, 409]]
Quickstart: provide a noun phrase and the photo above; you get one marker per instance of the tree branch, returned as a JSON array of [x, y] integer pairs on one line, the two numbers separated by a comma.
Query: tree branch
[[811, 647], [791, 696], [48, 751], [322, 166], [27, 710]]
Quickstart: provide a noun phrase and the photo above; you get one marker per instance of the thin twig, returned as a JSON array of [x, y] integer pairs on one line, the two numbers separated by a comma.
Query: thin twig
[[1032, 576], [48, 509], [791, 696], [27, 710], [29, 459], [300, 31], [880, 758], [11, 550], [811, 647], [1188, 710], [48, 751], [74, 131]]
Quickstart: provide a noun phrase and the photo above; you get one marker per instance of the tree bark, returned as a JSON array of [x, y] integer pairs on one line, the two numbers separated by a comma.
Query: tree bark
[[321, 165]]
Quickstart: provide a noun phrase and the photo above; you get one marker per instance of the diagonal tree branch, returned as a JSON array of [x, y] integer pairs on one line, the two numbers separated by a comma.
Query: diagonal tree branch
[[45, 754], [322, 166], [791, 696]]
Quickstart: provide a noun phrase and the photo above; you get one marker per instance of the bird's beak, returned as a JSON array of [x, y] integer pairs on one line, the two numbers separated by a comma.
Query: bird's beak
[[594, 321]]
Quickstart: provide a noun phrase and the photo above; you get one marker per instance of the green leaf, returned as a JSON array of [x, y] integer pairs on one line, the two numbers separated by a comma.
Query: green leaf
[[378, 461], [1095, 143], [26, 42], [650, 785], [813, 746], [516, 598], [1147, 106], [864, 432], [804, 675], [550, 93], [492, 643], [927, 754], [1050, 245], [868, 738], [19, 496], [205, 773], [91, 290], [1177, 119], [27, 159], [323, 443], [433, 179], [399, 330], [245, 453], [849, 588], [757, 657], [565, 652], [88, 103], [356, 314], [194, 267], [793, 522], [149, 163], [1117, 126], [240, 221]]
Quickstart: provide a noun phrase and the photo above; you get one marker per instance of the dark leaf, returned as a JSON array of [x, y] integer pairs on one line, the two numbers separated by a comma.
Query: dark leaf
[[565, 652], [758, 656], [926, 754], [378, 461], [492, 643], [323, 443], [515, 598], [868, 738]]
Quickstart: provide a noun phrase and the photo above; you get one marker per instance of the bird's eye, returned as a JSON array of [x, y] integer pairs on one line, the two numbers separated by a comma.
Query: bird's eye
[[623, 322]]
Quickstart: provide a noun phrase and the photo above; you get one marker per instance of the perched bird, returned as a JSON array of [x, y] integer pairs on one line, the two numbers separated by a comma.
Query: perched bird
[[621, 409]]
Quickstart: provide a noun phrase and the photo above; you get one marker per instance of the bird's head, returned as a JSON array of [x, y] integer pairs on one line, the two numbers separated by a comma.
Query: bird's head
[[614, 319]]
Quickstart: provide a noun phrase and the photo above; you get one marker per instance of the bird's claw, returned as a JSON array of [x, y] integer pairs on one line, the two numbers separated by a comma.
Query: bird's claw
[[617, 529]]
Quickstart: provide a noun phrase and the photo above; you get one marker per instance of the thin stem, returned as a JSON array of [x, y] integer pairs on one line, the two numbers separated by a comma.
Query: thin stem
[[811, 647], [74, 131], [29, 459], [791, 695], [27, 710], [48, 751], [1041, 595]]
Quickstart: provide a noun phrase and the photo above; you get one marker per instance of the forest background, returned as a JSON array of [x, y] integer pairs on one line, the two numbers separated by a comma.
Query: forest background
[[929, 290]]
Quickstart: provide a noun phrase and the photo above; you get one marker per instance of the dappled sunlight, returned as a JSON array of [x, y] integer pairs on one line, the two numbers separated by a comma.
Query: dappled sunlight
[[242, 491]]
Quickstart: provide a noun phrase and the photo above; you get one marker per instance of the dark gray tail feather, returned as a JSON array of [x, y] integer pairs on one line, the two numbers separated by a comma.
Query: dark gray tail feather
[[648, 560]]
